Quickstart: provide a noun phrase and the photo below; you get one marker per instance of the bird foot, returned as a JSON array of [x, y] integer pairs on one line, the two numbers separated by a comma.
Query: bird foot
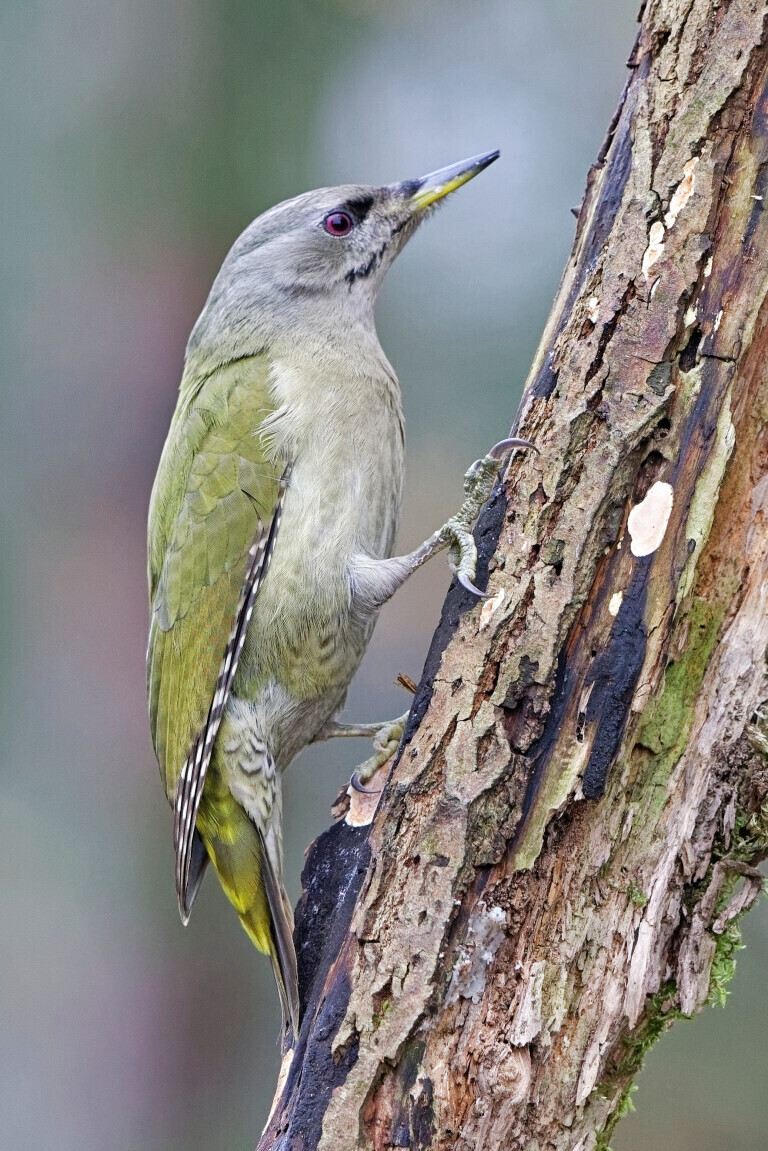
[[356, 803], [457, 532], [385, 742]]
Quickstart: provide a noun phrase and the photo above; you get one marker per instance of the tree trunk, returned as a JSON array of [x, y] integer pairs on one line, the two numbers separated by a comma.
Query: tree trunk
[[559, 858]]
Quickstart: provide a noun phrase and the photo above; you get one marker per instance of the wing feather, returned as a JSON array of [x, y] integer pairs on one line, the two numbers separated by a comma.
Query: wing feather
[[192, 780], [203, 520]]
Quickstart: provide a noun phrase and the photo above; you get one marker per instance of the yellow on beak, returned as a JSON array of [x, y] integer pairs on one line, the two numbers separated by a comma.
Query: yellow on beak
[[438, 184]]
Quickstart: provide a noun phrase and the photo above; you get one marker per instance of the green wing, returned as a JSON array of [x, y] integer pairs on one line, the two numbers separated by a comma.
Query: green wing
[[189, 789], [215, 484]]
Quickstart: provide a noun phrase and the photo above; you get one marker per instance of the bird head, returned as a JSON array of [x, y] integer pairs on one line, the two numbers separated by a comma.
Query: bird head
[[317, 261]]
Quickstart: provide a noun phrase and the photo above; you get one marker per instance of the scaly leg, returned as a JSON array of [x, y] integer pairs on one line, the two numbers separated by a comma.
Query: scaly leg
[[334, 730], [374, 581], [385, 736]]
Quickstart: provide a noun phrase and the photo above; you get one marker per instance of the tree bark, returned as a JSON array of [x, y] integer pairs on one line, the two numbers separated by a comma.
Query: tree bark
[[561, 853]]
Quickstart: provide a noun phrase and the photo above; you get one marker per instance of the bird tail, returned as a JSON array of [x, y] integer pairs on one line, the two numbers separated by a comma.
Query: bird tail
[[249, 872]]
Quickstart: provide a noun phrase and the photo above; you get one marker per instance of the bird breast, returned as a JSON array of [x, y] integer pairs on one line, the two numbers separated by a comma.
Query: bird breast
[[344, 434]]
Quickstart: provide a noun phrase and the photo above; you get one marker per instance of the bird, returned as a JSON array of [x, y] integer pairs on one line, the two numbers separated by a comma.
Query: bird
[[271, 528]]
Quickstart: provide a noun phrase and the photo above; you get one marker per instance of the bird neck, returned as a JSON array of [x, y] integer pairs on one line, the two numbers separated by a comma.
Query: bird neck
[[333, 393]]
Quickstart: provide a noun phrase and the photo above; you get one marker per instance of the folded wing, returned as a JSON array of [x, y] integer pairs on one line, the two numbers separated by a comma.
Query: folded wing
[[212, 526]]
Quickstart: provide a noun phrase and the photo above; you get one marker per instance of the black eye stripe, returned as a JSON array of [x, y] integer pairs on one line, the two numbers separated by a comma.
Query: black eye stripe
[[359, 207], [356, 208]]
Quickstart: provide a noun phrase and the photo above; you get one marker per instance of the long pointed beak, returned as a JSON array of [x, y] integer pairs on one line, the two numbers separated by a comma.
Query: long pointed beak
[[426, 191]]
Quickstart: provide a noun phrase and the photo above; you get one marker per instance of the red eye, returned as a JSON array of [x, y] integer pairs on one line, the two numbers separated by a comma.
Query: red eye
[[338, 224]]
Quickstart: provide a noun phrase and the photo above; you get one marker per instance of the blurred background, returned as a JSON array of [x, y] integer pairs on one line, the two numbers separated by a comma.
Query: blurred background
[[139, 138]]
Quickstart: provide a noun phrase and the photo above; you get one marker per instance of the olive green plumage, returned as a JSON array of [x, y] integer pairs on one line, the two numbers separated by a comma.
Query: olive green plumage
[[278, 494], [213, 484]]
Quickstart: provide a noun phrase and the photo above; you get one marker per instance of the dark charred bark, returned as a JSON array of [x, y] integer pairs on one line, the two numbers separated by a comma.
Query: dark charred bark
[[563, 848]]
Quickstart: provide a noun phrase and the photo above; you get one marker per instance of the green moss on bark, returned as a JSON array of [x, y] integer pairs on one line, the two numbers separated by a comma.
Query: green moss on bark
[[625, 1106], [660, 1013], [666, 723]]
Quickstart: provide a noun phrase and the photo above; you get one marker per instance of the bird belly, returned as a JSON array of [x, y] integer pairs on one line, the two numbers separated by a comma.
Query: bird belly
[[307, 638]]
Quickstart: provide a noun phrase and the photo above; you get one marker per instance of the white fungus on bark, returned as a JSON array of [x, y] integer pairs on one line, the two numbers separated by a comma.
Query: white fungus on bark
[[485, 934], [655, 247], [490, 607], [682, 193], [648, 520]]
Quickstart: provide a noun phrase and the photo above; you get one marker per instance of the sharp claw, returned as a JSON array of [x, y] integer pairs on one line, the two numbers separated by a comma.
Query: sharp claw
[[356, 785], [466, 582], [503, 446]]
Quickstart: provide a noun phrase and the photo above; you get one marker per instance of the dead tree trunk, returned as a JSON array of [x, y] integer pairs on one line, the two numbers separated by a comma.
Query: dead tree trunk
[[558, 860]]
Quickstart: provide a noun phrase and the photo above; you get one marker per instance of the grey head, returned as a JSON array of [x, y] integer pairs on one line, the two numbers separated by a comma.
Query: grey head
[[311, 267]]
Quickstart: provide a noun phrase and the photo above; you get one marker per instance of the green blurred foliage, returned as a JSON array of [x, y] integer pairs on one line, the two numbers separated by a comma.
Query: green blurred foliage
[[138, 140]]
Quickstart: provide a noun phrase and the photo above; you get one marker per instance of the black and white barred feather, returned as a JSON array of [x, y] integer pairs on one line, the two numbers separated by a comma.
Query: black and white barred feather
[[192, 779]]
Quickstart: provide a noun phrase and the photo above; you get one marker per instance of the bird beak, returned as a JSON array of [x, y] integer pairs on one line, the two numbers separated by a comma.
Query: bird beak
[[421, 194]]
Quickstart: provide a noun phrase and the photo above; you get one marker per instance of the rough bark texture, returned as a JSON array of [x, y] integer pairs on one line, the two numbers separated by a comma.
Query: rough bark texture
[[558, 860]]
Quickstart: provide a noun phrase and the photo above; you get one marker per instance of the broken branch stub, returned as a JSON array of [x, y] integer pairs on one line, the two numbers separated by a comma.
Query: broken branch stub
[[561, 852]]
